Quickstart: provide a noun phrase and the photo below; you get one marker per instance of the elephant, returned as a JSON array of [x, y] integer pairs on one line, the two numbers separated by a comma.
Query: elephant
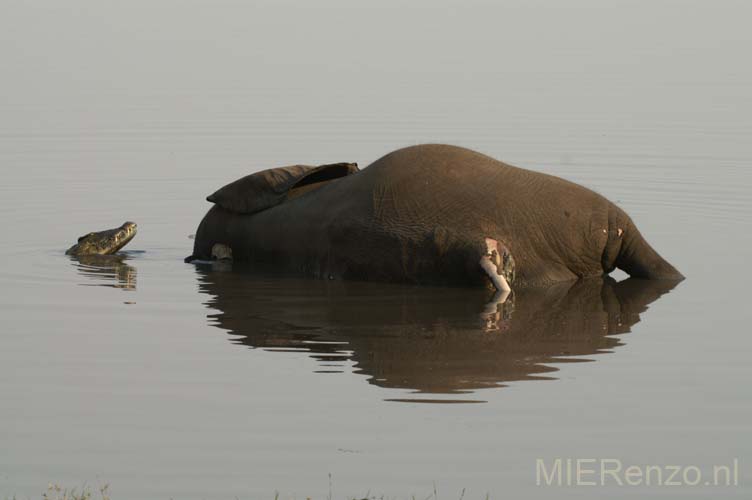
[[431, 340], [430, 214]]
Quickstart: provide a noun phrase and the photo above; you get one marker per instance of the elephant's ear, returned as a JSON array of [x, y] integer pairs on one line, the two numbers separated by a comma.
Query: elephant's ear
[[256, 192]]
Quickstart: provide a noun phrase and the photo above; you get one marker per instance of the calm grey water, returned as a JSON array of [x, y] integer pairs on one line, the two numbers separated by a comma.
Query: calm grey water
[[171, 381]]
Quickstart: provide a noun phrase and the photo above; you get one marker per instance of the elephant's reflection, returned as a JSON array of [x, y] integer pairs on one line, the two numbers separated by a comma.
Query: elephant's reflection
[[107, 270], [431, 340]]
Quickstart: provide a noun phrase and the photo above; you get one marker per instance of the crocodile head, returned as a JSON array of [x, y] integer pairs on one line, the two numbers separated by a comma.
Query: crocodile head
[[104, 242]]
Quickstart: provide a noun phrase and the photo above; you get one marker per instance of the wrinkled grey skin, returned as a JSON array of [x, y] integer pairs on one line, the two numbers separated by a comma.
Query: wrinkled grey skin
[[425, 215], [104, 242]]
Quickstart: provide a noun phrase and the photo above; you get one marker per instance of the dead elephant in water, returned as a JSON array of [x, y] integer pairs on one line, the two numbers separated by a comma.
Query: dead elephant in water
[[429, 214]]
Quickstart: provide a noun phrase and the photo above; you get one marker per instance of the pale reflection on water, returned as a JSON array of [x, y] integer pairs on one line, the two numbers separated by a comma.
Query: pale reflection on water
[[429, 340], [107, 270], [138, 110]]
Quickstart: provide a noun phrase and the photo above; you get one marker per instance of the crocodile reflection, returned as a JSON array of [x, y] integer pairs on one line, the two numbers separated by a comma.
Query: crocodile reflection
[[106, 270], [430, 340]]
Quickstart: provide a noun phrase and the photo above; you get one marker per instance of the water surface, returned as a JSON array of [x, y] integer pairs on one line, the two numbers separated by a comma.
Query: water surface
[[172, 381]]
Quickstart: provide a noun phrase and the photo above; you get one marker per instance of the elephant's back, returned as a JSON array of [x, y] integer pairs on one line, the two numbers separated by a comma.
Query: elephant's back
[[432, 183], [443, 183], [422, 193], [423, 162]]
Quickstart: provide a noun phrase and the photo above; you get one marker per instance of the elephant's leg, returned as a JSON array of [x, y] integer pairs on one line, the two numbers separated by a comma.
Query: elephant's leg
[[494, 261]]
